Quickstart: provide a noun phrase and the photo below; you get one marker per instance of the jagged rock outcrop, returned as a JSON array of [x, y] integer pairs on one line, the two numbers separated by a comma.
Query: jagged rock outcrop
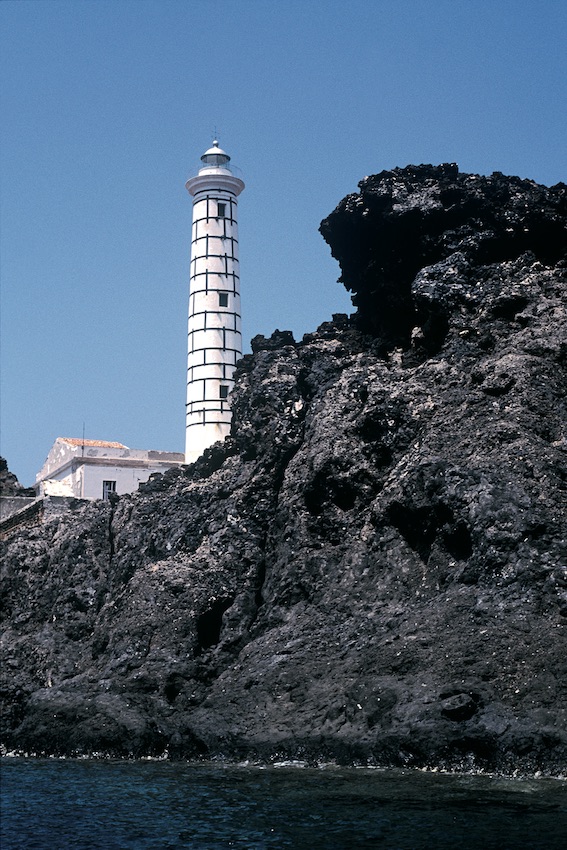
[[373, 565], [14, 497], [10, 487], [412, 218]]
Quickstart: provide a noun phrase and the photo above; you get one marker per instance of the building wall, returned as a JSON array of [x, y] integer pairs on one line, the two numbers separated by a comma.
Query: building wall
[[12, 504], [214, 328], [74, 470], [127, 480]]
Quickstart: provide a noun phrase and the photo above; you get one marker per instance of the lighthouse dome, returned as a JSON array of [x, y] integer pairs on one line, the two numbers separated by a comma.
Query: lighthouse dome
[[215, 155]]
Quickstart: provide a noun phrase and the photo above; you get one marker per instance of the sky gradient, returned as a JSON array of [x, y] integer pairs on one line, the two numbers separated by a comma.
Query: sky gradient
[[106, 109]]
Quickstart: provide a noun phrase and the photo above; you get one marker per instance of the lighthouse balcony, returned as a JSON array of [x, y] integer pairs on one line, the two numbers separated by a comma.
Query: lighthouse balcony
[[215, 180], [217, 168]]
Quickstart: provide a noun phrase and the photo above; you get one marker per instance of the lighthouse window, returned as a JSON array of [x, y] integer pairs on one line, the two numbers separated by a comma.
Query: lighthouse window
[[223, 299], [221, 210], [223, 391]]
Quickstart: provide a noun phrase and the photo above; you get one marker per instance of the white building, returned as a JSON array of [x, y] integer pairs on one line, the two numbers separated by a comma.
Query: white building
[[93, 469], [214, 329]]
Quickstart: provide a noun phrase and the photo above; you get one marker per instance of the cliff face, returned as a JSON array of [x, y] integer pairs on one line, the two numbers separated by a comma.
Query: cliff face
[[373, 566]]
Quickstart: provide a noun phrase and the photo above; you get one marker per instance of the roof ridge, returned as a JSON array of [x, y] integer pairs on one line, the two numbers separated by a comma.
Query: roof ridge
[[79, 441]]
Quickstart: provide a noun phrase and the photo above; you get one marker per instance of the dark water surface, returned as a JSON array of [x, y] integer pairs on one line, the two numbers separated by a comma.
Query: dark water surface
[[86, 805]]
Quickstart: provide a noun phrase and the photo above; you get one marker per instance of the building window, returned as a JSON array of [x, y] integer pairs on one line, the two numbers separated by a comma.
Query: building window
[[223, 391], [221, 210], [108, 487], [223, 299]]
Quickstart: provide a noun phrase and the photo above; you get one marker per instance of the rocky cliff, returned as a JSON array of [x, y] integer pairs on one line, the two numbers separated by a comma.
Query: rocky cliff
[[373, 566]]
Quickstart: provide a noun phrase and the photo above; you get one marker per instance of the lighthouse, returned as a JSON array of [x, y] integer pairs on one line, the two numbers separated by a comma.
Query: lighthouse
[[214, 328]]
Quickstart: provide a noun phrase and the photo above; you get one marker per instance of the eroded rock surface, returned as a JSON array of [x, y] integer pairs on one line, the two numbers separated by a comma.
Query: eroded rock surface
[[10, 487], [373, 566], [420, 216]]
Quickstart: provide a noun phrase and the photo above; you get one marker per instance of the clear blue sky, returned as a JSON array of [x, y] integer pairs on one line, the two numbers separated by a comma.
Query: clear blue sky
[[106, 108]]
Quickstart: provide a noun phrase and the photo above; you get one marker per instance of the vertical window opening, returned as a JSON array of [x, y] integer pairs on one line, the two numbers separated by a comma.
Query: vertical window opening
[[108, 487], [223, 299], [221, 210]]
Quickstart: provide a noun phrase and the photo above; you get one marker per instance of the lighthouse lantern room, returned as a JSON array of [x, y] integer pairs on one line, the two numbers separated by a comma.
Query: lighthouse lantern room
[[214, 329]]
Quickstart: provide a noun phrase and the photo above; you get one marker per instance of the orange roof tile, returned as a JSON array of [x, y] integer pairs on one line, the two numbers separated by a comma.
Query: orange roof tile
[[102, 443]]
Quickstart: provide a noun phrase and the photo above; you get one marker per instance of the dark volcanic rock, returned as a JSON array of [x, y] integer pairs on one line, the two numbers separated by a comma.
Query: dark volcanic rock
[[372, 567], [10, 487], [420, 216]]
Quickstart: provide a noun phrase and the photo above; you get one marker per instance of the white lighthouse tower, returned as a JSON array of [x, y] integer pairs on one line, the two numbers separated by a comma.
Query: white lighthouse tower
[[214, 331]]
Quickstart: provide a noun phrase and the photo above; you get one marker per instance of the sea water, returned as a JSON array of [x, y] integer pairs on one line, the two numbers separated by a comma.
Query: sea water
[[106, 805]]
